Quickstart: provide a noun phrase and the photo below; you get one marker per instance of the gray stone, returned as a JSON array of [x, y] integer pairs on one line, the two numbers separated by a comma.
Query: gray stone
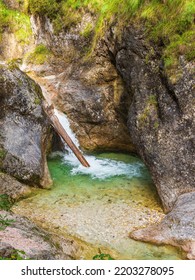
[[161, 117], [177, 228], [13, 188], [24, 128]]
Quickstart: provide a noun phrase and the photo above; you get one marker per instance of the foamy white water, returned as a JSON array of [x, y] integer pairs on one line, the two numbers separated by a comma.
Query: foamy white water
[[101, 168]]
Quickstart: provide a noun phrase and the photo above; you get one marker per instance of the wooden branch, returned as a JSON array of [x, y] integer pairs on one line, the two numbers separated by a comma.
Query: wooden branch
[[49, 110]]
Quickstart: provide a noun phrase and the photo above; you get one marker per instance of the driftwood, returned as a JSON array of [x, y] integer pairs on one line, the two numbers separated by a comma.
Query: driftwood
[[49, 110]]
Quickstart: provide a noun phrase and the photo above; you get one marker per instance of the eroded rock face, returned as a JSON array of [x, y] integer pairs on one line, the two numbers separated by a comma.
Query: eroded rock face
[[177, 228], [24, 128], [161, 117], [89, 91]]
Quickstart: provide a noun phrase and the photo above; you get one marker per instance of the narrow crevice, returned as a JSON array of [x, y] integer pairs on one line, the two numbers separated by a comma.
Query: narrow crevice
[[170, 91]]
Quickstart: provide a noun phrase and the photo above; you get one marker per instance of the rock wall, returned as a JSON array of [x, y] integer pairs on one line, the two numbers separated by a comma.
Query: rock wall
[[88, 89], [161, 118], [24, 128]]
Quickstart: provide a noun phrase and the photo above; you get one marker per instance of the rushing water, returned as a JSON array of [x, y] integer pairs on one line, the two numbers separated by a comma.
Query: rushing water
[[99, 205]]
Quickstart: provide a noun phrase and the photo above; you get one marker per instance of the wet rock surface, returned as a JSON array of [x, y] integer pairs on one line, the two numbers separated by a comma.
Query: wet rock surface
[[24, 128], [161, 118], [177, 228]]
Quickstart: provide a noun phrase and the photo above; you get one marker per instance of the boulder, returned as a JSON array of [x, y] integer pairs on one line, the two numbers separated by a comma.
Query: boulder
[[24, 128]]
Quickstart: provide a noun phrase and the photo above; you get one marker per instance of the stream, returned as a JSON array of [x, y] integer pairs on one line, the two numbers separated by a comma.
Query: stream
[[96, 208]]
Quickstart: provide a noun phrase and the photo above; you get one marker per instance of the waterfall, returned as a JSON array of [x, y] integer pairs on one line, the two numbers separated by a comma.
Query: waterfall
[[100, 168]]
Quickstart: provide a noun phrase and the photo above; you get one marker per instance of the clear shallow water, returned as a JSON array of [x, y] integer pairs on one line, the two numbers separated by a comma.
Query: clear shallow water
[[98, 209]]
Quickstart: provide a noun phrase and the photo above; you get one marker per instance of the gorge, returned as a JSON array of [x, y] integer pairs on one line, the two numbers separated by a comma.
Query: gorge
[[125, 101]]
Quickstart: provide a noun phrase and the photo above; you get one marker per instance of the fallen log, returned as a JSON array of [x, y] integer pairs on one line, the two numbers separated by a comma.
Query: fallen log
[[49, 110]]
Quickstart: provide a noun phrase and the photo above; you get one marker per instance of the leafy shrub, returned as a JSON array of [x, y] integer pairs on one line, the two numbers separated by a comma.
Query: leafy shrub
[[103, 257]]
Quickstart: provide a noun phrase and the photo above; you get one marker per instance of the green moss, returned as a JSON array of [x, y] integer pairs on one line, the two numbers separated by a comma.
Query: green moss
[[15, 22], [2, 157], [40, 55], [152, 100], [156, 124], [190, 55], [37, 101], [44, 7], [13, 64]]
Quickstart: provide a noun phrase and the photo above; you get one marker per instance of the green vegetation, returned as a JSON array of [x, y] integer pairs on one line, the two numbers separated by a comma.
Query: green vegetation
[[4, 222], [2, 154], [169, 23], [40, 55], [15, 22], [102, 257], [15, 255], [5, 203], [87, 31]]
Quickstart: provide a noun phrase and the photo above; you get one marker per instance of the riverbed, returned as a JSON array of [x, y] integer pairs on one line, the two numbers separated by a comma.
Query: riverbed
[[98, 207]]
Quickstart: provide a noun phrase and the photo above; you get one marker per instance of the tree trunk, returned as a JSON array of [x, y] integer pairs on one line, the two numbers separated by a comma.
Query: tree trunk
[[49, 110]]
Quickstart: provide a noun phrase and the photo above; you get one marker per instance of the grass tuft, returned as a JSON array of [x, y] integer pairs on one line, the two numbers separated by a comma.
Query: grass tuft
[[15, 22]]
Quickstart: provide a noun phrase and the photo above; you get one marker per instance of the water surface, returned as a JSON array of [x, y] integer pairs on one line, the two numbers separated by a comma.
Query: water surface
[[100, 205]]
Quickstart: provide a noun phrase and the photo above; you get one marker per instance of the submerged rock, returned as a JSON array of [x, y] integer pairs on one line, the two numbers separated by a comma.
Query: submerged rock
[[177, 228], [24, 128]]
